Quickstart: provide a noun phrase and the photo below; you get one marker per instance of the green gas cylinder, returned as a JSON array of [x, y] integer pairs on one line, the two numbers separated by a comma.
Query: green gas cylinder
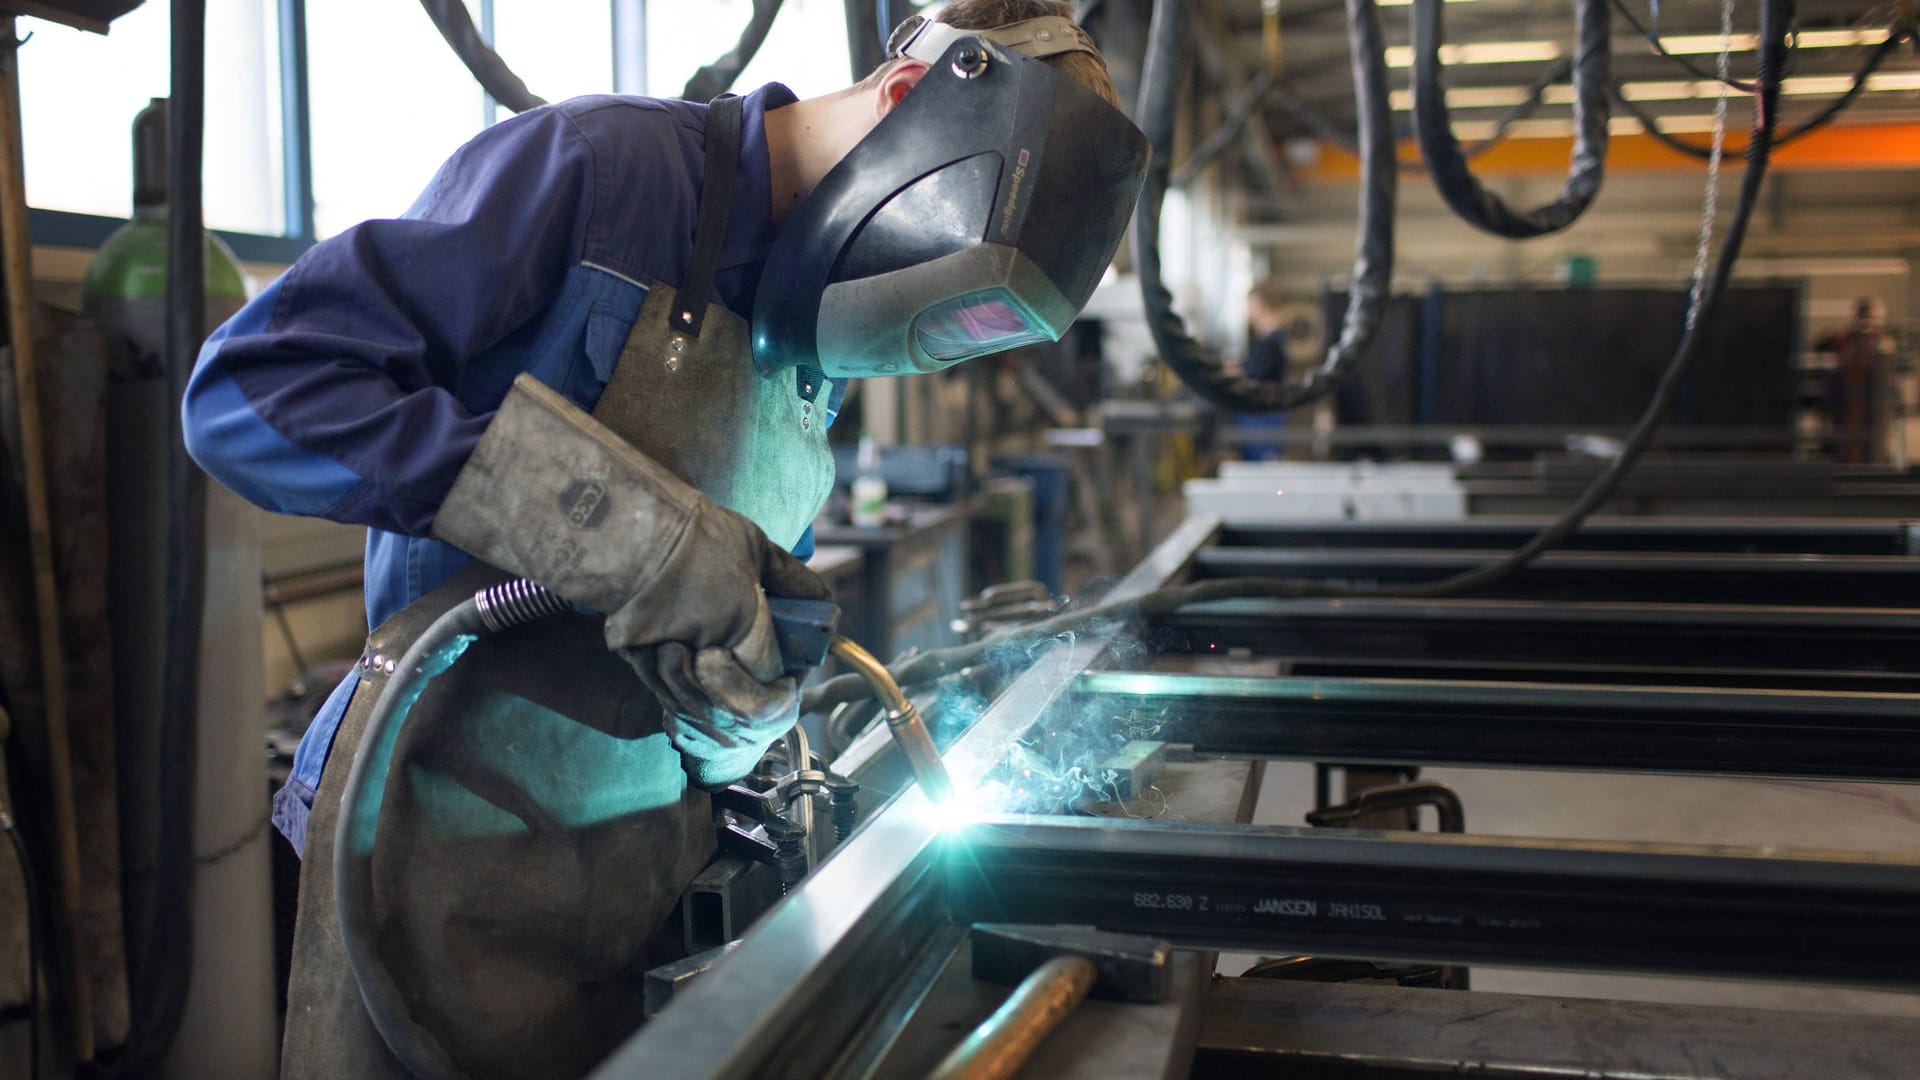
[[125, 289], [126, 283]]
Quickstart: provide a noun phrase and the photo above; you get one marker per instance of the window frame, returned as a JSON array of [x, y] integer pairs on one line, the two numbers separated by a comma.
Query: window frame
[[64, 228]]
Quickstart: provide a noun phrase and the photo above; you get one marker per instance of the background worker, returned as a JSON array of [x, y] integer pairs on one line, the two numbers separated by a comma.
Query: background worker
[[431, 377]]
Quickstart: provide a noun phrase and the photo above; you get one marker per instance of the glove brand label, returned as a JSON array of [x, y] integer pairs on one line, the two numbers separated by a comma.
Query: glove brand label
[[585, 503]]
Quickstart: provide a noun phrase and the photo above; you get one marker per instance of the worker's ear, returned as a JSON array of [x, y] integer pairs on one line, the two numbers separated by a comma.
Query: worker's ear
[[904, 76]]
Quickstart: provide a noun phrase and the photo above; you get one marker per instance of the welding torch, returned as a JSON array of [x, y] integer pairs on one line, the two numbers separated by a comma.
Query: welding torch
[[807, 631]]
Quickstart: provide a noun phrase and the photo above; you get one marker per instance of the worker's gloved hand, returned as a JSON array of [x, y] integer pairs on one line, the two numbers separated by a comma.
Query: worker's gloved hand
[[552, 495]]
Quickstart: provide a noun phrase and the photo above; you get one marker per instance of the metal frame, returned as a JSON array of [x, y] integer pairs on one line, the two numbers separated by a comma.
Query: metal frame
[[825, 968]]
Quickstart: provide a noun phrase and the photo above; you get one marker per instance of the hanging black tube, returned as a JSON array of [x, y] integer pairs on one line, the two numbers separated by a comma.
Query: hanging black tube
[[717, 78], [1433, 127], [1895, 35], [1373, 257], [162, 976], [1653, 39], [450, 17]]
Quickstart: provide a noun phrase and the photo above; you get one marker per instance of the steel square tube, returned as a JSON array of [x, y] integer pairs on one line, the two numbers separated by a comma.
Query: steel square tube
[[1450, 899], [1821, 580], [1858, 736]]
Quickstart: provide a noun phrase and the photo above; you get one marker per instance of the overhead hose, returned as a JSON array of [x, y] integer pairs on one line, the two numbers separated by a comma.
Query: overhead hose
[[1373, 256], [925, 668], [1433, 128], [717, 78], [161, 972], [489, 611], [450, 17], [1895, 35], [1660, 47], [1327, 131]]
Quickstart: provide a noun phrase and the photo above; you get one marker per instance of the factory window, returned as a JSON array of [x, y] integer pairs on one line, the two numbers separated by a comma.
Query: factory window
[[389, 102], [77, 119], [806, 49], [558, 47]]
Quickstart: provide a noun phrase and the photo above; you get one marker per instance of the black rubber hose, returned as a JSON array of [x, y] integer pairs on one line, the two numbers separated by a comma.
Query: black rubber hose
[[450, 17], [490, 611], [1433, 128], [1653, 39], [1242, 109], [162, 975], [1326, 130], [1882, 50], [31, 887], [1373, 257], [717, 78], [927, 667]]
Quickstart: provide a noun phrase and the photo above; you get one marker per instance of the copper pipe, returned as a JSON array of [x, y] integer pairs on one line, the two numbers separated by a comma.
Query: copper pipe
[[903, 720], [1004, 1041], [16, 250]]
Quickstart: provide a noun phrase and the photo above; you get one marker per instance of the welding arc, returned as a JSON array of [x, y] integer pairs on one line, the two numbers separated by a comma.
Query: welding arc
[[1202, 371], [927, 667], [1433, 128], [1895, 35]]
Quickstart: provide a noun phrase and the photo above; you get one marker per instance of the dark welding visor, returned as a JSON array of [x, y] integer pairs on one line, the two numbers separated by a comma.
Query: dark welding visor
[[977, 216]]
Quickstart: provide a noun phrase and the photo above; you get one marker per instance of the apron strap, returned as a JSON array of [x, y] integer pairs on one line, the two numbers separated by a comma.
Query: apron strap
[[716, 198]]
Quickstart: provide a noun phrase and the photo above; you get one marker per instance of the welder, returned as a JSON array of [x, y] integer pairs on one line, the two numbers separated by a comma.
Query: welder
[[601, 352]]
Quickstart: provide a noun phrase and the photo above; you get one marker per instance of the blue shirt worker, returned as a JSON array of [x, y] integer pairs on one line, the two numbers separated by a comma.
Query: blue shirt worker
[[600, 354]]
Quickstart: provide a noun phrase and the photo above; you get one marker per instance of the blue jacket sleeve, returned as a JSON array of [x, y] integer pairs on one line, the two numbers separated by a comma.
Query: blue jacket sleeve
[[337, 391]]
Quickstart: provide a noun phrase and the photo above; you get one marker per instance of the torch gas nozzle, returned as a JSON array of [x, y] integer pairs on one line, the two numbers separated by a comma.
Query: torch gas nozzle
[[909, 730]]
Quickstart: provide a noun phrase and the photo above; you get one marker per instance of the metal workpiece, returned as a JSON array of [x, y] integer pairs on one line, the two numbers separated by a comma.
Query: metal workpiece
[[1275, 1027], [1820, 916], [1837, 734], [1127, 967], [1699, 577], [1587, 641]]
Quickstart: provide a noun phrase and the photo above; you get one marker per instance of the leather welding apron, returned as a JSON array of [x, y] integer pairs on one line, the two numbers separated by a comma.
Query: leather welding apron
[[537, 828]]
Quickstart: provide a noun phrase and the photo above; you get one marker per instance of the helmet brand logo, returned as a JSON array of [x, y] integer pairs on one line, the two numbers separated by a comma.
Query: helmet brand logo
[[585, 503], [1013, 198]]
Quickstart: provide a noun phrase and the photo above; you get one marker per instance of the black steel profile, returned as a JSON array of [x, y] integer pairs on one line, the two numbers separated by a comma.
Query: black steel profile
[[1716, 730], [1450, 899]]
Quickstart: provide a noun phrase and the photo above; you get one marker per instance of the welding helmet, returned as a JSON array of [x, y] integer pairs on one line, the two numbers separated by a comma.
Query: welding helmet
[[977, 215]]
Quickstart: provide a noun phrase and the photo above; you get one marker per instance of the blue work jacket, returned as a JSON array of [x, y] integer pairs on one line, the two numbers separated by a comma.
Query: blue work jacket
[[355, 386]]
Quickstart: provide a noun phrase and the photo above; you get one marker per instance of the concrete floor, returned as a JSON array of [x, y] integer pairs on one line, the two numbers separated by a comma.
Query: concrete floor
[[1690, 810]]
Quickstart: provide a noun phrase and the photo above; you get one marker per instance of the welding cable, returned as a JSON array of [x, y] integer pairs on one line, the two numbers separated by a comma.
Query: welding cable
[[927, 667], [1433, 128], [1660, 47], [490, 611], [1238, 113], [1895, 35], [1327, 131], [718, 77], [1373, 257], [28, 883], [451, 18]]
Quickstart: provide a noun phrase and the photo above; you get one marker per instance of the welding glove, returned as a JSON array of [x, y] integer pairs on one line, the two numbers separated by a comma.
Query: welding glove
[[553, 495]]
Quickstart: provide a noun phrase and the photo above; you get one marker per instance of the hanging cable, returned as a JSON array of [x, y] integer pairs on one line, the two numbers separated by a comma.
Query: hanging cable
[[1373, 257], [451, 18], [1327, 131], [1242, 109], [927, 667], [1660, 47], [1895, 35], [1433, 127], [718, 77]]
